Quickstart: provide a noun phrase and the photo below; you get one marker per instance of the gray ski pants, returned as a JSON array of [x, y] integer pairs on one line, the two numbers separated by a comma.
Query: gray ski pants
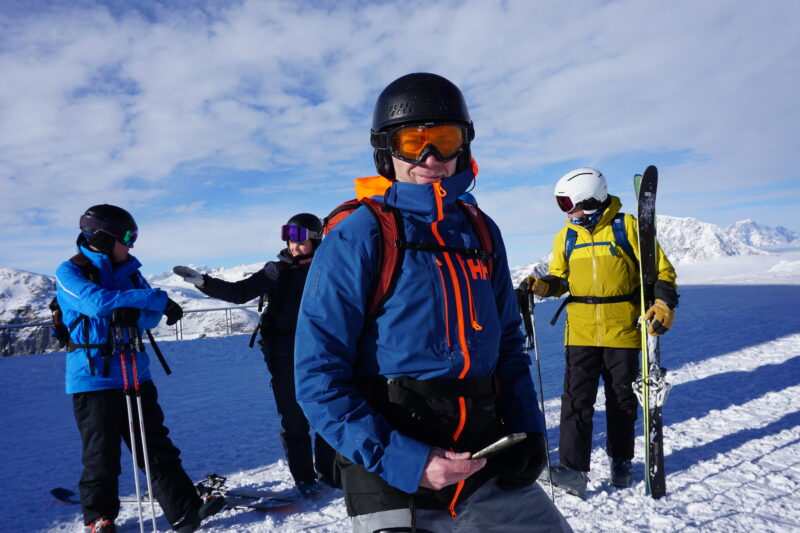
[[490, 508]]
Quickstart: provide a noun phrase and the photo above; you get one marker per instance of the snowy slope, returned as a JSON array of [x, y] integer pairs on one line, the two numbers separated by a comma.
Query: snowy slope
[[732, 427]]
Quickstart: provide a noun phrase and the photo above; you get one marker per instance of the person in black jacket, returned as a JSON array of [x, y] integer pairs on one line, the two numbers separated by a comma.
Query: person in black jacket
[[282, 283]]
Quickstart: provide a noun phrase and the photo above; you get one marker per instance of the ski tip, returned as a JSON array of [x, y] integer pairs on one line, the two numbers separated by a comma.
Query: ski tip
[[651, 170]]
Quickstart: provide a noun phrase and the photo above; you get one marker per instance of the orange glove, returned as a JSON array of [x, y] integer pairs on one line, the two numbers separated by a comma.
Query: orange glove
[[537, 286], [659, 318]]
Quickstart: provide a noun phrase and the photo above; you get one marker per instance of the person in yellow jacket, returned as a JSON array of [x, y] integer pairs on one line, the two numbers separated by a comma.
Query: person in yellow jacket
[[595, 259]]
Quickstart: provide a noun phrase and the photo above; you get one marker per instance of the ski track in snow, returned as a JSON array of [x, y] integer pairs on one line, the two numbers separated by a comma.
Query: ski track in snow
[[731, 424]]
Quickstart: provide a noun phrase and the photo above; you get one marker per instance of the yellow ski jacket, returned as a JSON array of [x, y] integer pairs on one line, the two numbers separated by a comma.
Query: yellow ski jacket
[[603, 270]]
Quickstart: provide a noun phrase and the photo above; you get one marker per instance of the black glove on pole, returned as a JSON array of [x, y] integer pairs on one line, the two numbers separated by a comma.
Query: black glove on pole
[[173, 312]]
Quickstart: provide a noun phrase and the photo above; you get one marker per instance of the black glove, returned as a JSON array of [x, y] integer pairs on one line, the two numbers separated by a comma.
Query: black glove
[[173, 312], [520, 465], [126, 317]]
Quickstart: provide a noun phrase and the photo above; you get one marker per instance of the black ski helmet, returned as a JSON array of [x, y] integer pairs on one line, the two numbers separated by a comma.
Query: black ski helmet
[[102, 225], [415, 98], [309, 222]]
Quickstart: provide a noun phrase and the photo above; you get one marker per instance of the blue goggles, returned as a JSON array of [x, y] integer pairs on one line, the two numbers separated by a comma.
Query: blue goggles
[[290, 232]]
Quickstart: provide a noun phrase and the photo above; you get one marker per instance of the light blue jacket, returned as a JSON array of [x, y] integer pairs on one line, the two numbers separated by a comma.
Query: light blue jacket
[[79, 296], [421, 331]]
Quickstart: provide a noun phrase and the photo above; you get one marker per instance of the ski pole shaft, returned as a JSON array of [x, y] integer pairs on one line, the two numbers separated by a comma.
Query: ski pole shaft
[[160, 356], [134, 454], [531, 307], [146, 458]]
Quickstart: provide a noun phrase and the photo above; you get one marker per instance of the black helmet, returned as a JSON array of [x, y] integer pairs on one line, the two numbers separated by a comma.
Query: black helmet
[[419, 98], [103, 224], [303, 226]]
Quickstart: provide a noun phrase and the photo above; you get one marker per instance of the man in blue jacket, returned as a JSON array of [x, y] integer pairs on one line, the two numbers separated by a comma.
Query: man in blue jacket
[[94, 372], [406, 393]]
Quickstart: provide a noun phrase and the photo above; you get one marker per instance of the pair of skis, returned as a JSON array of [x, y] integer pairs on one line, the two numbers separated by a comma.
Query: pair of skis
[[235, 498], [650, 387]]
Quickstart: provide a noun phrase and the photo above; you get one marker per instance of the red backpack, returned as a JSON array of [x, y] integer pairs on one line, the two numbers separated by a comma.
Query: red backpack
[[390, 228]]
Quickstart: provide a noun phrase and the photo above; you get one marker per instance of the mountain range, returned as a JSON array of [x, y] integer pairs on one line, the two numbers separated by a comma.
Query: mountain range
[[26, 295]]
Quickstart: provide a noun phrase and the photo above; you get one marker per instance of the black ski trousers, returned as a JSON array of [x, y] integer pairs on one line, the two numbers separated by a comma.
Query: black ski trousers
[[294, 426], [584, 367], [102, 418]]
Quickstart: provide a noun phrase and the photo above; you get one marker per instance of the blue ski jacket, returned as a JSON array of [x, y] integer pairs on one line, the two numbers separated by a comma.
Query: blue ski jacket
[[79, 296], [445, 319]]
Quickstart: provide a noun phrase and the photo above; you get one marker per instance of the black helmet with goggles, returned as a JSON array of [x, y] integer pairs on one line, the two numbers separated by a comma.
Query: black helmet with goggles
[[418, 115], [102, 225]]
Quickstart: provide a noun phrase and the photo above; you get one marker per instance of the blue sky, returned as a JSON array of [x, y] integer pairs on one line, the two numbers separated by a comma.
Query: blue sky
[[214, 122]]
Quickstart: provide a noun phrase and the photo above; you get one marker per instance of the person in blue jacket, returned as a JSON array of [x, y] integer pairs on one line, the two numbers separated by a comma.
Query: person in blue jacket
[[94, 373], [407, 393]]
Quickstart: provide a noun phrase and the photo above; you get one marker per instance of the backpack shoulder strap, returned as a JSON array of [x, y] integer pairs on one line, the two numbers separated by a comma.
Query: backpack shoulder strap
[[390, 260], [338, 214], [621, 236], [478, 221], [88, 269], [569, 242], [390, 255]]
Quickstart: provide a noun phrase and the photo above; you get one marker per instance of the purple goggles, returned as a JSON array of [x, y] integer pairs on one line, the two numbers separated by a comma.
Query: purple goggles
[[290, 232]]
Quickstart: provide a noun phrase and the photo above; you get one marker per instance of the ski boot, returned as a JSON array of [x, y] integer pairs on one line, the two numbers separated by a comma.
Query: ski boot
[[101, 524], [212, 504], [571, 481], [308, 488], [621, 473]]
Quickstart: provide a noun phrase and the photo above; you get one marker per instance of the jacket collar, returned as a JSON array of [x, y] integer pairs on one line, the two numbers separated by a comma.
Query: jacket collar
[[421, 199], [103, 262]]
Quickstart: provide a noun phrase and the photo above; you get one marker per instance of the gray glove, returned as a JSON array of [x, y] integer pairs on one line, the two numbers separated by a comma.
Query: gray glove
[[189, 275]]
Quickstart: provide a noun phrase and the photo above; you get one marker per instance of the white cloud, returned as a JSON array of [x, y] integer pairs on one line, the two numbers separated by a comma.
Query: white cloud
[[106, 106]]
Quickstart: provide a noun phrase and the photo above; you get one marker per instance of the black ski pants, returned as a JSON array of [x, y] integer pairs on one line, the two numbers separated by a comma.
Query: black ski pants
[[294, 426], [102, 418], [584, 367]]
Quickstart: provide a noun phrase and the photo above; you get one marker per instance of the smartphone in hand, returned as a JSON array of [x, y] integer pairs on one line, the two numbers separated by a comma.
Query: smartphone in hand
[[499, 445]]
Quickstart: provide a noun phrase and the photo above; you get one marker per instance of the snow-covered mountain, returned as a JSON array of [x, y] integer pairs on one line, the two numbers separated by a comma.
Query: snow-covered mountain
[[25, 297], [688, 240], [754, 234]]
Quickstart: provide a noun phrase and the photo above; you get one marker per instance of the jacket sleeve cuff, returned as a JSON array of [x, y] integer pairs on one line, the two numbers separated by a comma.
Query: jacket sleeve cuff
[[404, 462]]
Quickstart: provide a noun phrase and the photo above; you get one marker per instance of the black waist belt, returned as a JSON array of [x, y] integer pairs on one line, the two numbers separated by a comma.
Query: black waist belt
[[594, 300], [446, 388]]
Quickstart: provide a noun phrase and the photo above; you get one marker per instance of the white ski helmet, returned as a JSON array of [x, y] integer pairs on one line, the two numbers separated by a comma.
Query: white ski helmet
[[585, 186]]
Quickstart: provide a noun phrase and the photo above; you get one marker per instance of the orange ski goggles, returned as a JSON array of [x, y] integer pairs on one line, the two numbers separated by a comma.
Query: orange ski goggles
[[413, 143]]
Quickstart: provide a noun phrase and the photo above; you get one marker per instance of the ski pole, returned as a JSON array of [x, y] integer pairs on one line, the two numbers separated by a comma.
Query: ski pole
[[128, 391], [133, 334], [526, 306], [532, 318]]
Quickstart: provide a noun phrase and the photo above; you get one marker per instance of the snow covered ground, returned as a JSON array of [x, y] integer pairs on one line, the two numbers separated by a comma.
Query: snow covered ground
[[732, 424]]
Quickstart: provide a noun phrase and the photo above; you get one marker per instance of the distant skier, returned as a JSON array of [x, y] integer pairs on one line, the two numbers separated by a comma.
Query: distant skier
[[95, 379], [282, 282], [595, 259]]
